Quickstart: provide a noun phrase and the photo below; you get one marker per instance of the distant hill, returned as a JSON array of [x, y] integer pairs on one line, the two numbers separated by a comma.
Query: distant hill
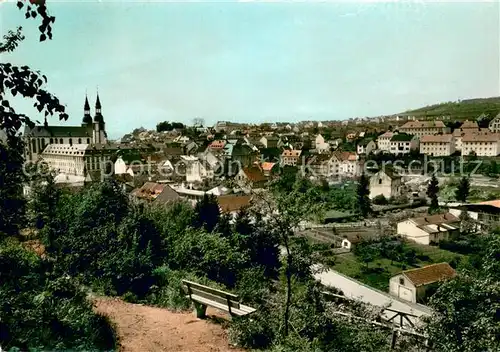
[[460, 110]]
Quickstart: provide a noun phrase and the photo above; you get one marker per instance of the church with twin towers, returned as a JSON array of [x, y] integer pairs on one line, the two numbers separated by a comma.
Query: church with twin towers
[[92, 132], [76, 153]]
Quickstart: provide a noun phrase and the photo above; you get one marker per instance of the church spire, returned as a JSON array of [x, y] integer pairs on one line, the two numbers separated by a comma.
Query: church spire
[[87, 119], [98, 115]]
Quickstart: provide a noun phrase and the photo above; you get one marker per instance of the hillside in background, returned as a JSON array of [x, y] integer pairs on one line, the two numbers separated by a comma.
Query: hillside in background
[[463, 109]]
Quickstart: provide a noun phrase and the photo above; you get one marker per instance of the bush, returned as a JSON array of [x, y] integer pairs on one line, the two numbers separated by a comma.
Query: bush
[[41, 311], [380, 200]]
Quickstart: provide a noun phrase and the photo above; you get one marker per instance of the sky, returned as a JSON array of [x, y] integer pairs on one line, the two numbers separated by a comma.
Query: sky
[[252, 61]]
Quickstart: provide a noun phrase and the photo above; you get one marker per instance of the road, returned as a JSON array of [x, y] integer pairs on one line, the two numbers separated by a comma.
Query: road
[[357, 290]]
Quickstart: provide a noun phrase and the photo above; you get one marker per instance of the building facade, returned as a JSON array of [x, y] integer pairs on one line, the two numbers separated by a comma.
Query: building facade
[[412, 285], [494, 125], [385, 182], [91, 131], [429, 229], [484, 144], [384, 141], [403, 143], [422, 128], [437, 145]]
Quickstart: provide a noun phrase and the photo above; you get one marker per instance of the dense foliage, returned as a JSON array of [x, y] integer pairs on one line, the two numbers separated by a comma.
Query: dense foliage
[[45, 311], [463, 190], [467, 307], [432, 193]]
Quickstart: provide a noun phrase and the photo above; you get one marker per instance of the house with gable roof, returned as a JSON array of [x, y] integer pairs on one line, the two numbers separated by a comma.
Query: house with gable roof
[[386, 182], [413, 285], [429, 229], [251, 176]]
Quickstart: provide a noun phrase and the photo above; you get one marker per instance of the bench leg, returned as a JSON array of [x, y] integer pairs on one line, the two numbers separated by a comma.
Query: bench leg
[[200, 310]]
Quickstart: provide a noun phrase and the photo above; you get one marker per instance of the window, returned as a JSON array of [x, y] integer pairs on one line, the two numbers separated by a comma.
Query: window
[[88, 140], [379, 181], [79, 141], [51, 141], [61, 141], [401, 281]]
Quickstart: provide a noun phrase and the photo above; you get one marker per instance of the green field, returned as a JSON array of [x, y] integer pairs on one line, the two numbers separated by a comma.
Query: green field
[[378, 272], [465, 109]]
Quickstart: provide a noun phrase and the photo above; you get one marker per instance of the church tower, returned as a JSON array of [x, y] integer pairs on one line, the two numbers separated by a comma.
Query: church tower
[[87, 119], [99, 131]]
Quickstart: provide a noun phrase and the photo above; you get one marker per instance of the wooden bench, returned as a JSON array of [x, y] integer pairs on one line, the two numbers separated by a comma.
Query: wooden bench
[[203, 296]]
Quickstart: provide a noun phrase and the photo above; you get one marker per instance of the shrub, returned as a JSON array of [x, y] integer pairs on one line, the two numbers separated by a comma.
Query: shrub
[[41, 311], [380, 200]]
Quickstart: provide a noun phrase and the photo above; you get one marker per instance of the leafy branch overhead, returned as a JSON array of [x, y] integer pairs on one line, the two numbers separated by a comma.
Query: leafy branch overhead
[[35, 8], [23, 80]]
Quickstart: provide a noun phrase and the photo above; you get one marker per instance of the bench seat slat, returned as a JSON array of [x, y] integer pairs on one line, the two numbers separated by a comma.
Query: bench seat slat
[[224, 307], [216, 298], [211, 290]]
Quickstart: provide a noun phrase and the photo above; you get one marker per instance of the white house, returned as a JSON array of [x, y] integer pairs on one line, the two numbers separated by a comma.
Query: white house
[[429, 229], [384, 141], [196, 169], [366, 147], [411, 285], [320, 144], [403, 143], [386, 182], [494, 125], [122, 168]]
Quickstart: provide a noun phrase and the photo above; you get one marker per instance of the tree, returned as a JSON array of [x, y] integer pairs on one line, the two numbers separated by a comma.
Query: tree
[[283, 212], [432, 193], [467, 224], [43, 197], [463, 189], [207, 213], [24, 81], [363, 200], [12, 202], [466, 308]]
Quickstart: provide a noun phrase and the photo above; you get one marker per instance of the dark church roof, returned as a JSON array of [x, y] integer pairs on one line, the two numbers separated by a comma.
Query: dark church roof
[[58, 131]]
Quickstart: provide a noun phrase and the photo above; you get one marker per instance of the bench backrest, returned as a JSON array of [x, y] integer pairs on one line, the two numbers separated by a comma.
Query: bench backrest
[[193, 288]]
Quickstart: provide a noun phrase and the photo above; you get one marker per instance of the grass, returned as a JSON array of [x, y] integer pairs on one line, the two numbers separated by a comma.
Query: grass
[[434, 254], [378, 272]]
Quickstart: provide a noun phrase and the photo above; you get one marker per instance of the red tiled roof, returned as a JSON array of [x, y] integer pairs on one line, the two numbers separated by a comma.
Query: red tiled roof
[[151, 191], [437, 138], [469, 124], [486, 137], [387, 134], [345, 156], [254, 174], [430, 274], [437, 219], [424, 124], [230, 203], [267, 166]]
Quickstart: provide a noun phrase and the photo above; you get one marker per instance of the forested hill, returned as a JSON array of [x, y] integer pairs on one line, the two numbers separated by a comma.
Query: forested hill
[[463, 109]]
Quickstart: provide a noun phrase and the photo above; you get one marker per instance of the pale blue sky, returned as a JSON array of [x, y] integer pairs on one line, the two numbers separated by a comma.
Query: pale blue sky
[[259, 62]]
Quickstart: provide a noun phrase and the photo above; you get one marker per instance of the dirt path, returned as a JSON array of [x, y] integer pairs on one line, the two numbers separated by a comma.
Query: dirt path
[[142, 328]]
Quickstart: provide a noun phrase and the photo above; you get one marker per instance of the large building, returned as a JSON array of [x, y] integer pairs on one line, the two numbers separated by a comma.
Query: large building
[[422, 128], [437, 145], [484, 144], [91, 131]]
